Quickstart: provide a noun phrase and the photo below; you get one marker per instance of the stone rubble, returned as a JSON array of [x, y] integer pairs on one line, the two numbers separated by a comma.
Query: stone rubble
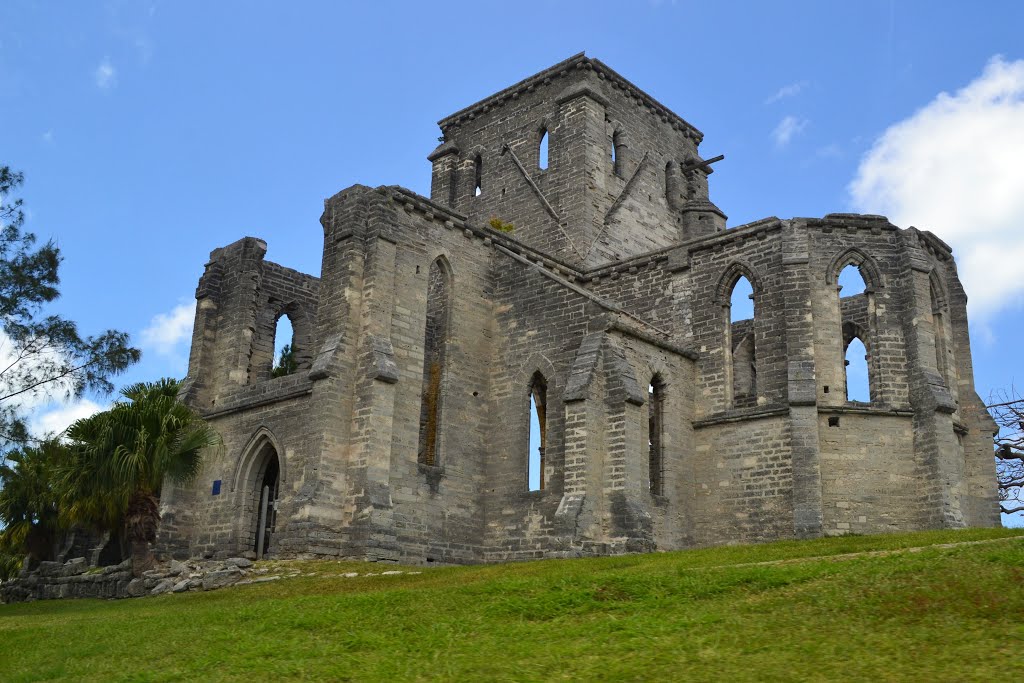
[[76, 579]]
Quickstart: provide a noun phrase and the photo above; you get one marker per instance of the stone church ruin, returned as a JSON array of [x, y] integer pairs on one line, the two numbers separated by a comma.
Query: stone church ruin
[[570, 270]]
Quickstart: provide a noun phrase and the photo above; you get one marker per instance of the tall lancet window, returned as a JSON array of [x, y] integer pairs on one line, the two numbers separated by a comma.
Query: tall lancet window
[[542, 150], [855, 316], [741, 346], [538, 432], [478, 176], [618, 162], [655, 434], [435, 348]]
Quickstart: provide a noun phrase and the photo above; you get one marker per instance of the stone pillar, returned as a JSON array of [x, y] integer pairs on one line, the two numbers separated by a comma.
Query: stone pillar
[[626, 466], [937, 450], [370, 460], [801, 385], [581, 511], [981, 500]]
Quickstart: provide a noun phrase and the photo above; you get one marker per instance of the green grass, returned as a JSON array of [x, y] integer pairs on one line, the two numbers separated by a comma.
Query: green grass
[[818, 613]]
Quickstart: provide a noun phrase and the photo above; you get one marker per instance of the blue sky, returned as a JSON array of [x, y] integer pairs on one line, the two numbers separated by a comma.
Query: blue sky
[[151, 133]]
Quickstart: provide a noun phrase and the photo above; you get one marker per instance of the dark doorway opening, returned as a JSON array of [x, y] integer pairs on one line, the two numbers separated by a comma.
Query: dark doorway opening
[[266, 511]]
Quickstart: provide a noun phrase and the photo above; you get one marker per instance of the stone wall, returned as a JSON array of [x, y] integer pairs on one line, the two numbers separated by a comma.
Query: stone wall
[[72, 579], [614, 274]]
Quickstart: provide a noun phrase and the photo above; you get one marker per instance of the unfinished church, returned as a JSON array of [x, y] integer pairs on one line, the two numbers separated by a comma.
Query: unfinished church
[[570, 270]]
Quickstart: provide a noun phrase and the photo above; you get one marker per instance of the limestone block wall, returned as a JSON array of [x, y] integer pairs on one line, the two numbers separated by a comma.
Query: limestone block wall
[[743, 470], [870, 482]]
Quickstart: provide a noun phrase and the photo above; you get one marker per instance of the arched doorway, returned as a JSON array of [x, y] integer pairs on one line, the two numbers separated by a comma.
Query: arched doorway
[[266, 492]]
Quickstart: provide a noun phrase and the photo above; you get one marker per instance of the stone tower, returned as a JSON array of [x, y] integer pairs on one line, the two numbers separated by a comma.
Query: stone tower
[[603, 194], [588, 292]]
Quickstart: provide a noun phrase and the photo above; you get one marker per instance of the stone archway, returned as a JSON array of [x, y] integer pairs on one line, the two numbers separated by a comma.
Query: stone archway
[[257, 485]]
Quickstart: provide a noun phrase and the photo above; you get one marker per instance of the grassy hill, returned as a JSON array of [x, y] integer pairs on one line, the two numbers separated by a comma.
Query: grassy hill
[[935, 606]]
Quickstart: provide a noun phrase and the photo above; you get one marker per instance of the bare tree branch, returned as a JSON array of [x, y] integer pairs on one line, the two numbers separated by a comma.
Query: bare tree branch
[[1008, 412]]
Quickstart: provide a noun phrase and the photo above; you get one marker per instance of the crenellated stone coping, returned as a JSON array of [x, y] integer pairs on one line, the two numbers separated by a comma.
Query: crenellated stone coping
[[577, 61], [273, 390], [631, 266], [935, 245], [756, 230], [655, 107], [851, 222]]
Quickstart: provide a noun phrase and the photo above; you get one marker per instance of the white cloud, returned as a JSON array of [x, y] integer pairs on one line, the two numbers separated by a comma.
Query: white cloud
[[48, 137], [790, 90], [787, 128], [55, 421], [167, 330], [955, 167], [105, 75]]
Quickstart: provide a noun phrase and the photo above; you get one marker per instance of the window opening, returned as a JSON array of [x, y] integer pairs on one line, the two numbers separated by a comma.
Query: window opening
[[655, 430], [478, 174], [284, 348], [742, 344], [851, 282], [542, 153], [616, 153], [857, 382], [538, 432], [435, 343], [854, 312]]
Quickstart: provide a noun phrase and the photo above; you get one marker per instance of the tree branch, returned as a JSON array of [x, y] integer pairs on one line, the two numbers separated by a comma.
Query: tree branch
[[62, 375]]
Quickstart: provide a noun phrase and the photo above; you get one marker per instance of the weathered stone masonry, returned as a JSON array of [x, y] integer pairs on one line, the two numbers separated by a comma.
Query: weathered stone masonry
[[404, 432]]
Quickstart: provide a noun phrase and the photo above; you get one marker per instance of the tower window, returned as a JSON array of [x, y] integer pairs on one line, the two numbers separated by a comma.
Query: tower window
[[542, 151], [617, 153], [478, 175]]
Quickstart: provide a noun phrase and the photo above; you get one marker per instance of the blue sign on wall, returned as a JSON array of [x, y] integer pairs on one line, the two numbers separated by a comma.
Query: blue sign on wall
[[216, 487]]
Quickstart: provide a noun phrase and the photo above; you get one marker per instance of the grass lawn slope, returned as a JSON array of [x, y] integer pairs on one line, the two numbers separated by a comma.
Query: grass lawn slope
[[934, 606]]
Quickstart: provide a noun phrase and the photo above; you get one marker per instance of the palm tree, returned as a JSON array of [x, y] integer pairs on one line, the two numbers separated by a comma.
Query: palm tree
[[120, 459], [28, 506]]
